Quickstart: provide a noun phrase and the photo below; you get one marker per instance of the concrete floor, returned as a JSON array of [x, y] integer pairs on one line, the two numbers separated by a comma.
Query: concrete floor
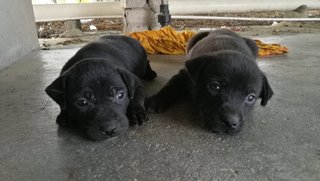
[[279, 142]]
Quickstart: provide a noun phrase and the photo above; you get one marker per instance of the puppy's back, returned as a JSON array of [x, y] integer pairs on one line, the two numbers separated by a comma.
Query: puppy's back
[[117, 49], [219, 40]]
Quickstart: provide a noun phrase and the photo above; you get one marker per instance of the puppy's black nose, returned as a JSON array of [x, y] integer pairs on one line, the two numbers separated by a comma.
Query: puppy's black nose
[[108, 130], [233, 121]]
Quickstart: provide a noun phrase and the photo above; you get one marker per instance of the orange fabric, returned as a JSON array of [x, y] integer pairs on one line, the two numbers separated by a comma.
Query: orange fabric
[[168, 41], [164, 41], [270, 49]]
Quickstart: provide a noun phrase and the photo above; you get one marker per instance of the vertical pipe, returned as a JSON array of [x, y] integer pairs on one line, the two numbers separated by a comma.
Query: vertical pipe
[[164, 16]]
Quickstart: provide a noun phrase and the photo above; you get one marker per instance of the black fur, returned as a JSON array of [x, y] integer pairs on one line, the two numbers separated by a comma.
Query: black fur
[[221, 78], [100, 87]]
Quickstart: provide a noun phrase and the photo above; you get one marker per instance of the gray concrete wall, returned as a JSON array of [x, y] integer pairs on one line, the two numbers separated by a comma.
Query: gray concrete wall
[[140, 15], [18, 36]]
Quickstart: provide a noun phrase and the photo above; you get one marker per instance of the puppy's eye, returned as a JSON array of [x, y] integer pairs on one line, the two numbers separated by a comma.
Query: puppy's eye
[[251, 98], [214, 86], [82, 102], [120, 95]]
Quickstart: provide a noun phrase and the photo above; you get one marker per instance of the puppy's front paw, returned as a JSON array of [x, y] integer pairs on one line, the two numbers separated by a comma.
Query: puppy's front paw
[[154, 105], [136, 114]]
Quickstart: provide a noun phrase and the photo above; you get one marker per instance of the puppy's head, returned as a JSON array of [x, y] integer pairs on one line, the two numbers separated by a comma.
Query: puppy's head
[[225, 89], [93, 96]]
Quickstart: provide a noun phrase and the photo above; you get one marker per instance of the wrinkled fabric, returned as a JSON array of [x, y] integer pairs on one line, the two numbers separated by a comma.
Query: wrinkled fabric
[[164, 41], [270, 49], [168, 41]]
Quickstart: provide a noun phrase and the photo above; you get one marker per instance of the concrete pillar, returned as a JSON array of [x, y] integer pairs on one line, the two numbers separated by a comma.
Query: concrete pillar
[[140, 15], [18, 34], [72, 28]]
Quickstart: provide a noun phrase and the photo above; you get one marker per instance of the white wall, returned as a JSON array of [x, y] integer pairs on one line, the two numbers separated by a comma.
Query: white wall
[[18, 35]]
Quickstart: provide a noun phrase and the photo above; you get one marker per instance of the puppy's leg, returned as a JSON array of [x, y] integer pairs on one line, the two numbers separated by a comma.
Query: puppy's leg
[[136, 112], [176, 88], [150, 74], [253, 46]]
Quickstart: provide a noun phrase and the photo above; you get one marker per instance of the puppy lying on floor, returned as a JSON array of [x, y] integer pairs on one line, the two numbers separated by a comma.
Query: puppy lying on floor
[[100, 86], [221, 78]]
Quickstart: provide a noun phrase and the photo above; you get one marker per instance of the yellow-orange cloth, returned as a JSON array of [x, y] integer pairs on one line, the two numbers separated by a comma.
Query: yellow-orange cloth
[[270, 49], [164, 41], [168, 41]]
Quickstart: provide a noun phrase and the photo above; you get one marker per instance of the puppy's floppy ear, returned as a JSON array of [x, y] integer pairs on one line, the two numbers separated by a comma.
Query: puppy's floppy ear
[[56, 90], [194, 67], [266, 91], [252, 45], [62, 119], [129, 81], [196, 38]]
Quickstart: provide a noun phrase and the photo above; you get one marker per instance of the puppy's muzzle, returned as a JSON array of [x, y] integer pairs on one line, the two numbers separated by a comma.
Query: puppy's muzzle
[[107, 125], [232, 121], [109, 130]]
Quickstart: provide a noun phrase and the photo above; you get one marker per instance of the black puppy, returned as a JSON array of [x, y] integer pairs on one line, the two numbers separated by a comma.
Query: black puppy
[[99, 86], [222, 79]]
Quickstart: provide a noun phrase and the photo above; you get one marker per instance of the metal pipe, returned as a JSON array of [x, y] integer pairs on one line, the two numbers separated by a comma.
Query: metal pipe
[[164, 16], [244, 18], [188, 7]]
